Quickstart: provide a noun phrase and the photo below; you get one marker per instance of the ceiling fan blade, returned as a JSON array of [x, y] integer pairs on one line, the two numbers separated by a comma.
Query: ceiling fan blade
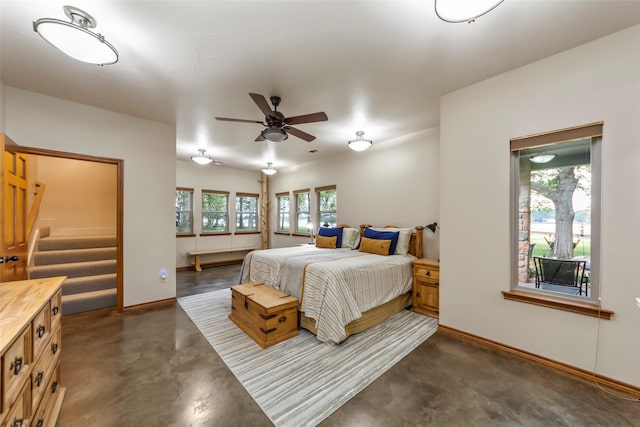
[[306, 118], [299, 133], [259, 138], [262, 104], [225, 119]]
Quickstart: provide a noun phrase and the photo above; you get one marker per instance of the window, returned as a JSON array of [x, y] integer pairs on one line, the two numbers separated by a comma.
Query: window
[[215, 211], [246, 212], [326, 205], [184, 210], [283, 212], [555, 211], [303, 216]]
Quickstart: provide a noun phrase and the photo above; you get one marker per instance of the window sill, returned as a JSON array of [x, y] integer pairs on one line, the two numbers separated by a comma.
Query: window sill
[[301, 235], [282, 233], [215, 234], [185, 235], [559, 304], [248, 232]]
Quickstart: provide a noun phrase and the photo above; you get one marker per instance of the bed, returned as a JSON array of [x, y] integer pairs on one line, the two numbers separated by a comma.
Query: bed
[[341, 291]]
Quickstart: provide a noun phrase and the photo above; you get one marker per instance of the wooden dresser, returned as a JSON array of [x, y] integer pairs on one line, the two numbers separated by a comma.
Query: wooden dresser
[[30, 344], [426, 284]]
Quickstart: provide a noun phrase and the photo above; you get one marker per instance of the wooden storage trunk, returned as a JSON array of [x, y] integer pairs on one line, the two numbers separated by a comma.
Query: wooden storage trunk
[[264, 313]]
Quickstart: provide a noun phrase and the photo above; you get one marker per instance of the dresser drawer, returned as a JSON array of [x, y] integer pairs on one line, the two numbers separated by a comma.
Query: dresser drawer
[[21, 409], [41, 325], [43, 368], [16, 363], [56, 309], [426, 274]]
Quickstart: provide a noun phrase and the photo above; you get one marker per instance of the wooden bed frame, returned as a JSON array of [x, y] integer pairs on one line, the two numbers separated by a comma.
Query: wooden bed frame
[[382, 312]]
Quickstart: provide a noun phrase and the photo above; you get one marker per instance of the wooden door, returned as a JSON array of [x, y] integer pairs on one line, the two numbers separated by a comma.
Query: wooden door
[[14, 230]]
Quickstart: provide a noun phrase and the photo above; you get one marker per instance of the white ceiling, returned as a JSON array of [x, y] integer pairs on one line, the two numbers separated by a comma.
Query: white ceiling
[[377, 66]]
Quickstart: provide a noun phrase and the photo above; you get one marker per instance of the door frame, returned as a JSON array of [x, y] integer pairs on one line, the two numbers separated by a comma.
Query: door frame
[[119, 163]]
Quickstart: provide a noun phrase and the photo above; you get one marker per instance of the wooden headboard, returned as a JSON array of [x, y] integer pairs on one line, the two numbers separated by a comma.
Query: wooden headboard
[[415, 243]]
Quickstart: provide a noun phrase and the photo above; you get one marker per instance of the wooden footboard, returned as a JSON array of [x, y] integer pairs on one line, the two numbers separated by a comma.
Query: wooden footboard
[[369, 318]]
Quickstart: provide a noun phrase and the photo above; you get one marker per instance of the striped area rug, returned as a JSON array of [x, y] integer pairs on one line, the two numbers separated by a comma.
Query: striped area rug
[[301, 381]]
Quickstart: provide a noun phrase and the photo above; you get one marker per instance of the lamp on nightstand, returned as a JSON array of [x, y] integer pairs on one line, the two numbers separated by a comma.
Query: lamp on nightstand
[[433, 227]]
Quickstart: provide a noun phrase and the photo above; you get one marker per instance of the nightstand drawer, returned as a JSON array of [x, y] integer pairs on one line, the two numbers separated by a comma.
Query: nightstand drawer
[[426, 274]]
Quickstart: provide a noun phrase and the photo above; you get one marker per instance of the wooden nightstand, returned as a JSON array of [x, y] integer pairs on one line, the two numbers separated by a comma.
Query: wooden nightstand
[[426, 283]]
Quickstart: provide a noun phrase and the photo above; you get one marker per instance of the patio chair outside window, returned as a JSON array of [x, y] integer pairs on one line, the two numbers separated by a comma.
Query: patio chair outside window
[[561, 275]]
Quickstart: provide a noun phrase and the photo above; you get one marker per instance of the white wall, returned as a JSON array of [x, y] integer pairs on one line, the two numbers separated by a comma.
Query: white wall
[[148, 151], [599, 81], [394, 183], [80, 196], [3, 90], [209, 177]]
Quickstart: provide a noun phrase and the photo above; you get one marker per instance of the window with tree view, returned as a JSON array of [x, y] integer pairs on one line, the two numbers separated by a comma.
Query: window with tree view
[[283, 212], [184, 210], [246, 212], [215, 211], [556, 194], [303, 211], [327, 205]]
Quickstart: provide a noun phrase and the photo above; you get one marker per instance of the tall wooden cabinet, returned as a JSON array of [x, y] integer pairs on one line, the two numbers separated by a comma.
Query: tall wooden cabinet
[[30, 345], [426, 287]]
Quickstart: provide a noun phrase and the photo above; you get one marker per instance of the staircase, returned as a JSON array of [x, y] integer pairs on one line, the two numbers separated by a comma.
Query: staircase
[[90, 264]]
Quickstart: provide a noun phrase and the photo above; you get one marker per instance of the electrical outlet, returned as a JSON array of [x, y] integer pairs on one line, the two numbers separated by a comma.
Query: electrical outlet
[[638, 301], [163, 274]]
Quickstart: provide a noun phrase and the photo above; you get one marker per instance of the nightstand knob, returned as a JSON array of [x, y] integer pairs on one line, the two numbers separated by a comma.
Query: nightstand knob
[[417, 294], [428, 273]]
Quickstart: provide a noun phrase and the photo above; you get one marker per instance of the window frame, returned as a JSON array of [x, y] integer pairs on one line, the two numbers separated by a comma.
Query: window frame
[[320, 212], [240, 196], [591, 305], [202, 211], [280, 213], [189, 233], [297, 193]]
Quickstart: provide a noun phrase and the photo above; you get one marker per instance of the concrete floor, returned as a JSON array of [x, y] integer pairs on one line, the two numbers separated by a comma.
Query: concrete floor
[[153, 368]]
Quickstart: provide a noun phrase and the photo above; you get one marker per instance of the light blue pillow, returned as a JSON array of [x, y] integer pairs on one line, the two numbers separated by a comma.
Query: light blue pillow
[[330, 232], [384, 235]]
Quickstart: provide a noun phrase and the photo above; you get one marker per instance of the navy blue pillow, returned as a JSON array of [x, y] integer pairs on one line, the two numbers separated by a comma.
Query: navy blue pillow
[[330, 232], [384, 235]]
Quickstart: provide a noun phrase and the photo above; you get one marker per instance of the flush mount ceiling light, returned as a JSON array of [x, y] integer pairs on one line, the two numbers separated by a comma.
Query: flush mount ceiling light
[[201, 159], [456, 11], [274, 134], [542, 158], [75, 39], [359, 144], [269, 170]]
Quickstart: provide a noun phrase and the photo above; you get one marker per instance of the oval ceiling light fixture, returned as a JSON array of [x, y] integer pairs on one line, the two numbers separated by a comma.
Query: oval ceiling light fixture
[[542, 158], [456, 11], [269, 170], [201, 159], [75, 39], [359, 144]]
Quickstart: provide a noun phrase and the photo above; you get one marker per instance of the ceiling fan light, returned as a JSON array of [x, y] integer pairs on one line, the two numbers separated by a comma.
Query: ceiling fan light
[[456, 11], [269, 170], [274, 134], [75, 39], [542, 158], [201, 159], [359, 144]]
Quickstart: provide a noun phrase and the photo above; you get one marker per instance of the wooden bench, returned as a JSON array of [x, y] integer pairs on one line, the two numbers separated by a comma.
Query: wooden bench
[[198, 254]]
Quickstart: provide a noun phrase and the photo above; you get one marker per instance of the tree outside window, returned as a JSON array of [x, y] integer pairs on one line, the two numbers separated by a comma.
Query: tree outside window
[[184, 210], [303, 215], [327, 199], [283, 212], [215, 211], [246, 212]]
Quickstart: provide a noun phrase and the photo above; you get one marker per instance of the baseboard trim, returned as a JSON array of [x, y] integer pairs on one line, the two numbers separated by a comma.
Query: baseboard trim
[[613, 384], [151, 304]]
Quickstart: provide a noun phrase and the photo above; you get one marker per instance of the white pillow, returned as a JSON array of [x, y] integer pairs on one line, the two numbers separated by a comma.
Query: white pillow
[[350, 237], [404, 236]]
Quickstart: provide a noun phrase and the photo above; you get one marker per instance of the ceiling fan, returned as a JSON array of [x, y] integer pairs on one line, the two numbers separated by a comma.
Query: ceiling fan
[[278, 127]]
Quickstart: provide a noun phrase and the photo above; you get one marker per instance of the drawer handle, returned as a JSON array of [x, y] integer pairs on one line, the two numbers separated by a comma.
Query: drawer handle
[[417, 294], [54, 387], [17, 422], [428, 273], [16, 365], [39, 378], [54, 348], [40, 331], [55, 310], [40, 422], [282, 319]]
